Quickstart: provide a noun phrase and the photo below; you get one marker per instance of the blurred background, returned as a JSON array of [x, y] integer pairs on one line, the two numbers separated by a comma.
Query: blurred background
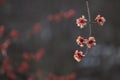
[[38, 40]]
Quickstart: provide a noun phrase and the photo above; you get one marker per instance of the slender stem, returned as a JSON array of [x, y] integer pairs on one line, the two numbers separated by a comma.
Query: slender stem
[[89, 21], [89, 17]]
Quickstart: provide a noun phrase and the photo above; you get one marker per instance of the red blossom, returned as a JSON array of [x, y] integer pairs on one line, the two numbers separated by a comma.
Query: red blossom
[[11, 75], [3, 2], [71, 77], [26, 56], [68, 14], [65, 15], [23, 67], [78, 55], [100, 20], [31, 77], [71, 13], [91, 42], [6, 64], [80, 41], [55, 77], [36, 28], [14, 34], [58, 17], [81, 22], [2, 29], [5, 46], [38, 55]]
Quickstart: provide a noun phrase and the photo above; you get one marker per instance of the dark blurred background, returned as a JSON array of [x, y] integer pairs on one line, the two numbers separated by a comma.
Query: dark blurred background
[[57, 36]]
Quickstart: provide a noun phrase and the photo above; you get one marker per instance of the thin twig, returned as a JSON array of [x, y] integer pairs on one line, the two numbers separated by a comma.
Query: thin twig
[[89, 21], [89, 17]]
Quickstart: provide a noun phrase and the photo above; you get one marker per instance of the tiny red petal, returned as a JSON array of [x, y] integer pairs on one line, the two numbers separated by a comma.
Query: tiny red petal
[[100, 20], [11, 75], [91, 42], [68, 14], [78, 55], [2, 2], [5, 46], [31, 77], [36, 28], [81, 22], [23, 67], [2, 29], [26, 56], [14, 34], [38, 55], [80, 41]]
